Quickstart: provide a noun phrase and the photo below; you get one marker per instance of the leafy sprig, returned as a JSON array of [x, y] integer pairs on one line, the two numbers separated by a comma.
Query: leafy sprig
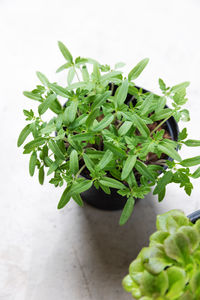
[[169, 268], [106, 129]]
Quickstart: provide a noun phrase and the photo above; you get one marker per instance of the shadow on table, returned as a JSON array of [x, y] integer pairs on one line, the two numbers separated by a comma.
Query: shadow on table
[[116, 246]]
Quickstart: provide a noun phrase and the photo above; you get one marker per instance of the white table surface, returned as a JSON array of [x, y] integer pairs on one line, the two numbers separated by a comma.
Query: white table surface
[[76, 253]]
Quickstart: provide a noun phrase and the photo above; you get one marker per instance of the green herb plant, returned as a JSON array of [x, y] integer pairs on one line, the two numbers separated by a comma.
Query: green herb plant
[[99, 135], [170, 267]]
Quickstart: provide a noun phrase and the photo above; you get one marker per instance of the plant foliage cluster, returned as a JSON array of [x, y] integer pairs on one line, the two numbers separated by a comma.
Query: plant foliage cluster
[[170, 267], [98, 134]]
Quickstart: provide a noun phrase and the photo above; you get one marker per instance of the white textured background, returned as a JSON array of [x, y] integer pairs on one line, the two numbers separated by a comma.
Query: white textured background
[[46, 254]]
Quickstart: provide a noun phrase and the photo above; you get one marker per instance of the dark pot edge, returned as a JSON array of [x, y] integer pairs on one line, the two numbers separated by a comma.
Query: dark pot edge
[[194, 216]]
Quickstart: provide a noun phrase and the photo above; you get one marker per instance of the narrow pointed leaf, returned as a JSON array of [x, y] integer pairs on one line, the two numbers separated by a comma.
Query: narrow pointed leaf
[[107, 120], [77, 198], [128, 166], [137, 70], [23, 135], [73, 162], [170, 151], [41, 175], [33, 144], [89, 163], [105, 159], [122, 92], [127, 211], [111, 182], [32, 96], [192, 143], [143, 170], [42, 108], [190, 162], [42, 78], [81, 187], [65, 52], [116, 150], [32, 163], [56, 150], [64, 198]]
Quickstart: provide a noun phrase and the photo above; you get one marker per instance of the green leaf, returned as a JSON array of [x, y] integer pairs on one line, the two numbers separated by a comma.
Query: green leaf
[[56, 150], [59, 90], [32, 163], [111, 182], [70, 112], [73, 162], [70, 75], [162, 85], [54, 165], [33, 144], [190, 162], [177, 247], [77, 198], [42, 78], [96, 72], [121, 93], [32, 96], [85, 74], [137, 70], [91, 117], [153, 284], [180, 86], [23, 135], [64, 198], [127, 211], [185, 115], [140, 124], [100, 99], [42, 108], [41, 175], [183, 134], [124, 128], [65, 52], [116, 150], [119, 65], [192, 143], [107, 157], [105, 122], [162, 114], [143, 170], [169, 150], [177, 280], [63, 67], [128, 166], [162, 182], [154, 259], [196, 174], [81, 187], [82, 137], [89, 163]]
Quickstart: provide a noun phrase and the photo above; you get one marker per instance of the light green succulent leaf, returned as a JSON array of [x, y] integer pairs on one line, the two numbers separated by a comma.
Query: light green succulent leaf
[[154, 285], [177, 247], [155, 259], [177, 279]]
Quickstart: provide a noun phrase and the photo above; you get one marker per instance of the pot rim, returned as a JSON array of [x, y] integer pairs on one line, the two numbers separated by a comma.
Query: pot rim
[[194, 216]]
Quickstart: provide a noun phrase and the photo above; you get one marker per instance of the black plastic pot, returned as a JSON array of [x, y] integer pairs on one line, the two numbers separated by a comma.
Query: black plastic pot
[[114, 201], [194, 216]]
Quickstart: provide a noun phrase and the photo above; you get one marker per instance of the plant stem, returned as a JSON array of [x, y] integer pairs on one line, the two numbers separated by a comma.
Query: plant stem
[[81, 169], [160, 124], [76, 73]]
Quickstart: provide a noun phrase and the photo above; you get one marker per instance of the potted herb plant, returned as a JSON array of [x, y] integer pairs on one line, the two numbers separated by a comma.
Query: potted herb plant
[[170, 267], [108, 141]]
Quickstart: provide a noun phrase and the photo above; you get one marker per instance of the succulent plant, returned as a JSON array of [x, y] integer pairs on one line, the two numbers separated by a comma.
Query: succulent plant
[[169, 268]]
